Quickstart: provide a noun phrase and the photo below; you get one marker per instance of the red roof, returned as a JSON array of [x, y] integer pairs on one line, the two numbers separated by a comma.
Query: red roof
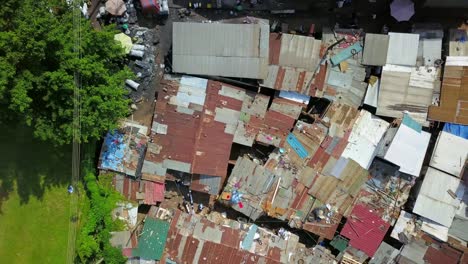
[[365, 229], [154, 192]]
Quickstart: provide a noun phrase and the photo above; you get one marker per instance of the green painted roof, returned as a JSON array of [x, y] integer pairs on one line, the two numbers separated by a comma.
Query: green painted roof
[[152, 239], [339, 243]]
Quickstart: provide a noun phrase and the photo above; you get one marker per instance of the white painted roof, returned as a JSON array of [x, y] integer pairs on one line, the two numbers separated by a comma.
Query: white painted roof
[[450, 153], [408, 149], [402, 49], [434, 201], [364, 138]]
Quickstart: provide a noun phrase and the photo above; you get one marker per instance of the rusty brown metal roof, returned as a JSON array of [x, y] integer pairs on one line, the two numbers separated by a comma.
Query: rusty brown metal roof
[[266, 126], [289, 187], [192, 239], [293, 61], [453, 106], [126, 186], [196, 138]]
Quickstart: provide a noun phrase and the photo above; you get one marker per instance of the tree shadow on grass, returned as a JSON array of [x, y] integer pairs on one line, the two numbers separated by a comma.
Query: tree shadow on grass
[[30, 164]]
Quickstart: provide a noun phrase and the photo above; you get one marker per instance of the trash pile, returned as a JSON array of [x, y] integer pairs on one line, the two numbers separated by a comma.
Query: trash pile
[[138, 43], [141, 61]]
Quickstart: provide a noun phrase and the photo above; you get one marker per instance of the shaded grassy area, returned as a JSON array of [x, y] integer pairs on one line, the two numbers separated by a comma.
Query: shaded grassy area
[[34, 203]]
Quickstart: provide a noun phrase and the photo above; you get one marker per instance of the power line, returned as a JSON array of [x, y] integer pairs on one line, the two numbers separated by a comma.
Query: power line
[[76, 124]]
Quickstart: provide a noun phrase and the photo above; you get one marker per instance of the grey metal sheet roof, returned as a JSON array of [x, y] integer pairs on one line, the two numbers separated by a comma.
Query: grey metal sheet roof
[[375, 49], [299, 51], [232, 50], [415, 251], [384, 255], [213, 182], [176, 165], [431, 50], [459, 228], [402, 49], [150, 167], [350, 86]]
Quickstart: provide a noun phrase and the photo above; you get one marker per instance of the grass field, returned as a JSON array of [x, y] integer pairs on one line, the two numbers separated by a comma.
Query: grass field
[[34, 203]]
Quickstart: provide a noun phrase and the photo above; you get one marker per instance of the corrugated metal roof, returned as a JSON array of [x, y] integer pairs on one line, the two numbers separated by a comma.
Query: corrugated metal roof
[[341, 118], [193, 239], [206, 184], [154, 192], [431, 50], [152, 239], [434, 201], [322, 228], [365, 230], [126, 186], [340, 191], [375, 49], [407, 89], [365, 136], [346, 87], [408, 149], [459, 227], [442, 254], [385, 254], [453, 106], [272, 128], [188, 144], [413, 253], [409, 226], [299, 51], [232, 50], [450, 153], [269, 127], [402, 49], [293, 61], [123, 239], [287, 107], [251, 180]]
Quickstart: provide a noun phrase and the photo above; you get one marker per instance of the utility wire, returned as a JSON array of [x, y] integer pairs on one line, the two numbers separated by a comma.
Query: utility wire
[[76, 123]]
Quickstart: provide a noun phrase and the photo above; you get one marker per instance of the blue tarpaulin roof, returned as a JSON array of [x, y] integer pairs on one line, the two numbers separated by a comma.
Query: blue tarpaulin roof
[[346, 53], [410, 122], [248, 240], [114, 151], [297, 146], [123, 150], [457, 130]]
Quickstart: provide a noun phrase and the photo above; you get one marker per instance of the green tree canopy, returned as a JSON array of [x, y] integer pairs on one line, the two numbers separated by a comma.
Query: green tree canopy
[[37, 66]]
